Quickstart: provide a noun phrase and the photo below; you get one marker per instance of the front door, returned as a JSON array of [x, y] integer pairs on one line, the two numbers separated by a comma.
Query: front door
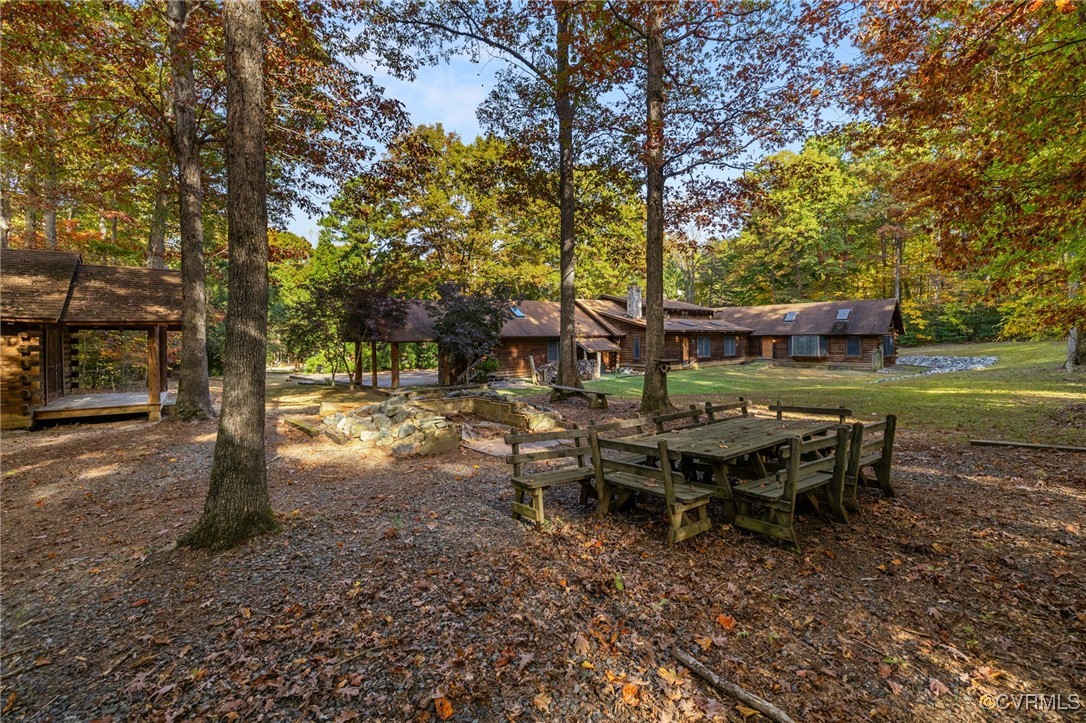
[[53, 364]]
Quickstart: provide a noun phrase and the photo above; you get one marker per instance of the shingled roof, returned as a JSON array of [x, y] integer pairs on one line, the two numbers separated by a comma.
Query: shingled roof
[[609, 310], [56, 287], [35, 284], [540, 319], [865, 317]]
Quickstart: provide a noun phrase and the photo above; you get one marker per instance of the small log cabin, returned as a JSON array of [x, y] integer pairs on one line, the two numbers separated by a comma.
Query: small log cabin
[[693, 337], [46, 298], [855, 333]]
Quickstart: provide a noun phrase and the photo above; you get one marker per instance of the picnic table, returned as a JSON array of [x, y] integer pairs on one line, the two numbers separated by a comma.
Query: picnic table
[[725, 443]]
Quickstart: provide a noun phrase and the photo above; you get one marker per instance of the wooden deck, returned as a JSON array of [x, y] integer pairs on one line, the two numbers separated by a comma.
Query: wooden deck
[[101, 405]]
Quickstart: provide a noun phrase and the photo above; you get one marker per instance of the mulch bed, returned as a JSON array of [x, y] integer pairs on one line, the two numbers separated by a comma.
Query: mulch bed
[[404, 590]]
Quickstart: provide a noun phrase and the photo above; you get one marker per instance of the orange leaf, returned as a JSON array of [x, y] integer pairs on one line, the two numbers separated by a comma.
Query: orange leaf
[[444, 708], [631, 695], [726, 621], [140, 603]]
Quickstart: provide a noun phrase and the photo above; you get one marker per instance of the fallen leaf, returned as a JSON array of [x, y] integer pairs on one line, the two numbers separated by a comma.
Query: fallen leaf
[[140, 603], [704, 643], [671, 677], [631, 695], [542, 702], [580, 644], [443, 708], [937, 688], [245, 612], [895, 687], [934, 612], [745, 711], [726, 621], [885, 671]]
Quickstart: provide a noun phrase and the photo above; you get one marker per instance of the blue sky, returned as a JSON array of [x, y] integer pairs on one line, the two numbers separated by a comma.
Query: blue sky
[[446, 94]]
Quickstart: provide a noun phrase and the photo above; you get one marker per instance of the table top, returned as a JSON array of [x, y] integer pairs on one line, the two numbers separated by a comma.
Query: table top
[[733, 437]]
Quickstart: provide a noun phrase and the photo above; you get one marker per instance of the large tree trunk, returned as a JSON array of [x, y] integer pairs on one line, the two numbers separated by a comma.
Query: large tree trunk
[[654, 394], [567, 344], [237, 500], [31, 213], [156, 239], [1076, 340], [50, 213], [193, 395]]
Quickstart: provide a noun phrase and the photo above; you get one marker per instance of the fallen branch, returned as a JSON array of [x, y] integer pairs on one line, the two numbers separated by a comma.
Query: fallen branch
[[1030, 445], [742, 695]]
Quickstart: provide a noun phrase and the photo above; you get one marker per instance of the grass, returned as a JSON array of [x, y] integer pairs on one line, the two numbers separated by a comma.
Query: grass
[[1024, 396]]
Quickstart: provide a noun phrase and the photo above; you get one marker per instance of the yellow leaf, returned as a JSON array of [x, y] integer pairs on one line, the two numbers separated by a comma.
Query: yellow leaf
[[671, 677], [443, 708], [246, 612], [588, 665], [745, 711]]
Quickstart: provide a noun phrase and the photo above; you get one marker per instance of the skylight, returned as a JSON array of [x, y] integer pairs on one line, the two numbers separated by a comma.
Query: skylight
[[516, 311], [790, 316], [842, 314]]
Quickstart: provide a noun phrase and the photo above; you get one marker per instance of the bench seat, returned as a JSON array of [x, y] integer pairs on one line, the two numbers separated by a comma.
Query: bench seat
[[558, 476], [770, 488], [683, 492]]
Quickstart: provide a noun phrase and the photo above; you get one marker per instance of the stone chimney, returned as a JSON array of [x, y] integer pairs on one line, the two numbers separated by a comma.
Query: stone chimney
[[633, 301]]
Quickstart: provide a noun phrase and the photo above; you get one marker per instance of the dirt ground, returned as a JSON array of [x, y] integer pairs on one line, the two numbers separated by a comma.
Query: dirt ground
[[404, 590]]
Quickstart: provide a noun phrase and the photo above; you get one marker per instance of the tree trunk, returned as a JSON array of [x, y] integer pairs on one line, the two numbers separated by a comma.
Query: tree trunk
[[654, 395], [1076, 340], [567, 340], [50, 211], [237, 503], [156, 239], [5, 210], [32, 211], [193, 395], [899, 254]]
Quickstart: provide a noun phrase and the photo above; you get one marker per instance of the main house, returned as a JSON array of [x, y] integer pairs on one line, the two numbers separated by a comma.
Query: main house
[[692, 334], [843, 333]]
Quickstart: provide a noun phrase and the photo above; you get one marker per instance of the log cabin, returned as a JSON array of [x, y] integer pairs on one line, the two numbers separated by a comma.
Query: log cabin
[[693, 337], [46, 299], [855, 333]]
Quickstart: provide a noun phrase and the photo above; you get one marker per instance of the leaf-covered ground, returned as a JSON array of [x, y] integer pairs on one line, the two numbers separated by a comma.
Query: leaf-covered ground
[[405, 591]]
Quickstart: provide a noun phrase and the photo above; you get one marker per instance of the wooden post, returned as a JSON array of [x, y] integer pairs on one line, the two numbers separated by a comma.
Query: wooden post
[[163, 362], [395, 383], [154, 375], [373, 363]]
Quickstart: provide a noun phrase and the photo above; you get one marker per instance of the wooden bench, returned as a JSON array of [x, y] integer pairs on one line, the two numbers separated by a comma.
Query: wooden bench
[[873, 447], [776, 494], [712, 410], [596, 400], [638, 426], [686, 417], [840, 412], [529, 486], [687, 504]]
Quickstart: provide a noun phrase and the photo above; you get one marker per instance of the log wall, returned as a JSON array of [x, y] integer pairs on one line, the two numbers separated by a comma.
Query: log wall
[[20, 375]]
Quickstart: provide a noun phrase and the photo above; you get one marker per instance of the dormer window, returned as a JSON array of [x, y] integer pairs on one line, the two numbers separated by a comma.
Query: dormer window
[[790, 316], [842, 314], [516, 311]]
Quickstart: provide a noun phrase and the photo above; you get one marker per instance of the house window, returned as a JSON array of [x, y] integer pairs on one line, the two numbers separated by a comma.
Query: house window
[[842, 314], [516, 311], [637, 348], [552, 350], [729, 346], [888, 345], [807, 345], [790, 316], [854, 346], [705, 347]]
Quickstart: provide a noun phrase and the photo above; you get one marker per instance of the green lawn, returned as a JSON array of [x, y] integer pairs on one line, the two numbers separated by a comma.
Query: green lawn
[[1024, 396]]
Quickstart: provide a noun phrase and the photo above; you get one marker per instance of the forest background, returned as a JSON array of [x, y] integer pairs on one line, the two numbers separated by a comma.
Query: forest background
[[955, 181]]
